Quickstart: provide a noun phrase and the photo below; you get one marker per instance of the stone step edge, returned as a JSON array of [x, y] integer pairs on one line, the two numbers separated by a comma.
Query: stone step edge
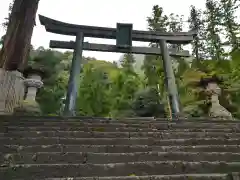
[[121, 154], [130, 177], [84, 157], [118, 123], [6, 131], [147, 119], [126, 129], [116, 132], [119, 126], [117, 146], [78, 134], [125, 163], [151, 165], [126, 139]]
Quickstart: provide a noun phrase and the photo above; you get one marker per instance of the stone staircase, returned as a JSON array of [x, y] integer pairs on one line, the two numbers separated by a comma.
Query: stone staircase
[[51, 148]]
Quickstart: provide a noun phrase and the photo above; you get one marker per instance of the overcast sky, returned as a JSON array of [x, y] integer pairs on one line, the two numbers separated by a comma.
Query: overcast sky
[[104, 13]]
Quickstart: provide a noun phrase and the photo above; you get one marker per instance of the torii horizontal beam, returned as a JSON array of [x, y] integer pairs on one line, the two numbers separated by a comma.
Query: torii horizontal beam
[[113, 48], [59, 27]]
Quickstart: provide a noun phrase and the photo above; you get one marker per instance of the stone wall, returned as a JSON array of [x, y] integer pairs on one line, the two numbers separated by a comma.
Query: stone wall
[[11, 90]]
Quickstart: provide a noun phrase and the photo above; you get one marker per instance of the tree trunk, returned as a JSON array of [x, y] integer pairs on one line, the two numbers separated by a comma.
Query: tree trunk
[[16, 46]]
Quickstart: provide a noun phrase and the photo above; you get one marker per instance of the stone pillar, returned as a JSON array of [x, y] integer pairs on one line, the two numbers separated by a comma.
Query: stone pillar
[[29, 106], [32, 83], [11, 90], [216, 109]]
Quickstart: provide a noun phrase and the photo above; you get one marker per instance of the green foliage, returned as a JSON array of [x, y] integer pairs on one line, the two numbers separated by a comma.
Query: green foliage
[[213, 17], [158, 21], [147, 103], [123, 88], [127, 63], [196, 24], [228, 9], [55, 81], [93, 96]]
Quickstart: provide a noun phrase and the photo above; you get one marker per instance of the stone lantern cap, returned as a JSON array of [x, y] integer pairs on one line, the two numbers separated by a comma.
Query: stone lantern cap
[[204, 81], [34, 69], [34, 75]]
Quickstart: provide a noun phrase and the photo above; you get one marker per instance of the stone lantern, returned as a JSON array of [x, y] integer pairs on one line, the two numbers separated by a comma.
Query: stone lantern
[[32, 82], [213, 91]]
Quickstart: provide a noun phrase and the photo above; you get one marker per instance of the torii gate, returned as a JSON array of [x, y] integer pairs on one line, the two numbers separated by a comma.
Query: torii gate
[[124, 35]]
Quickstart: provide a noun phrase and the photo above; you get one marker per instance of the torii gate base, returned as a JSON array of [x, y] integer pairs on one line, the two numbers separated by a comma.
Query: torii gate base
[[124, 35]]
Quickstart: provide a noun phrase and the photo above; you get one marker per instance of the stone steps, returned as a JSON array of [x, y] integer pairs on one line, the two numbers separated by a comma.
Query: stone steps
[[119, 141], [158, 177], [8, 118], [115, 129], [95, 134], [105, 158], [116, 148], [35, 171], [155, 125], [51, 148]]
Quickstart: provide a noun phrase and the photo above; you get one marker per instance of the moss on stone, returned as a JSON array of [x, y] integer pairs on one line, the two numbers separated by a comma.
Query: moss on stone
[[99, 129], [28, 108]]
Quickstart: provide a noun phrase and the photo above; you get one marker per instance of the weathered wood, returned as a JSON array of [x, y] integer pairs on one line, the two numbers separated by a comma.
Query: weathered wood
[[113, 48], [59, 27], [17, 41]]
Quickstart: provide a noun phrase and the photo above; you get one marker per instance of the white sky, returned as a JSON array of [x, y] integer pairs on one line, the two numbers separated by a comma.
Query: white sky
[[105, 13]]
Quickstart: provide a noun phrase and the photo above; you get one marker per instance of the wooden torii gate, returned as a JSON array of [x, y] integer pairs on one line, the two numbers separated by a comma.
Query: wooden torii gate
[[124, 35]]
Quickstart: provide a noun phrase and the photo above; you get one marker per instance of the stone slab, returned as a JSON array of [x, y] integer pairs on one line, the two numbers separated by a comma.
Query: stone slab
[[105, 158], [116, 148], [119, 141], [95, 134], [36, 171]]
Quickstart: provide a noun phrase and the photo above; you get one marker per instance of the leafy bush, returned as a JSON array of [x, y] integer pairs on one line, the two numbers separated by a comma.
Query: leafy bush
[[147, 103]]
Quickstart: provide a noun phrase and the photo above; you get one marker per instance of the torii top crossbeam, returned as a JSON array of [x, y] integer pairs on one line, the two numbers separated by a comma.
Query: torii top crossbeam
[[59, 27]]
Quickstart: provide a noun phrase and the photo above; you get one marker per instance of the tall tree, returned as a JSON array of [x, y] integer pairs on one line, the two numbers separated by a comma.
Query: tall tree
[[228, 14], [127, 63], [16, 46], [213, 30], [93, 99], [123, 88], [152, 66], [153, 70], [158, 21], [175, 24], [196, 24]]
